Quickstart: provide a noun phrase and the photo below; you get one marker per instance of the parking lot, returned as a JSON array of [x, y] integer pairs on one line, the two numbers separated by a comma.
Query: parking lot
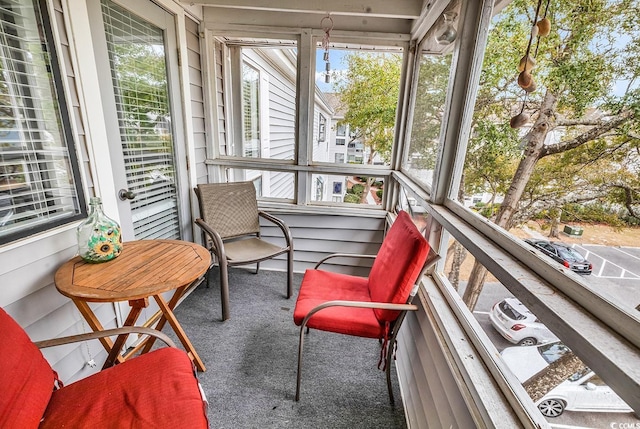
[[616, 274]]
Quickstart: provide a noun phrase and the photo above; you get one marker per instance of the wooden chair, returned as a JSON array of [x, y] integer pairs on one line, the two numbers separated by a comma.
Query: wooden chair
[[157, 389], [231, 228], [372, 307]]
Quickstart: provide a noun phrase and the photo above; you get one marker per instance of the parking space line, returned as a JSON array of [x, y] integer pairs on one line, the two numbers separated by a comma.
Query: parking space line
[[606, 261], [555, 425], [626, 253]]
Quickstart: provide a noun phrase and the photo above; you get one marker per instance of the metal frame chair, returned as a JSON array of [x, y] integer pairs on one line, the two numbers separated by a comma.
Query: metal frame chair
[[231, 230], [389, 326]]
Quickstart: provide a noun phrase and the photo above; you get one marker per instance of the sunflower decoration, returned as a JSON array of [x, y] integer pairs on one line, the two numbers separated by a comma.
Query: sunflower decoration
[[105, 243], [99, 237]]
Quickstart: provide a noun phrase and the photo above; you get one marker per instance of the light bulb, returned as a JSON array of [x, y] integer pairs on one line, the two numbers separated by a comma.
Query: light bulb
[[447, 32]]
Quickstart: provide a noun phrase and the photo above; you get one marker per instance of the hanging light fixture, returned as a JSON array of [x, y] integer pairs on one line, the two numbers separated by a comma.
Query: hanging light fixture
[[539, 28], [447, 32], [327, 25]]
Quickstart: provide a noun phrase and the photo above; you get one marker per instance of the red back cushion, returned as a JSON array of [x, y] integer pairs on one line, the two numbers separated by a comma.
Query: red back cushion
[[397, 266], [25, 377]]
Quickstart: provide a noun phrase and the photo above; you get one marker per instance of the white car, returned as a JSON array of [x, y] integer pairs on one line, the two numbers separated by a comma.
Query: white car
[[583, 391], [518, 325]]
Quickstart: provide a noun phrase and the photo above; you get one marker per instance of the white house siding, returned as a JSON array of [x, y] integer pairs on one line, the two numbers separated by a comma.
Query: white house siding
[[28, 266], [316, 236], [197, 99], [218, 75]]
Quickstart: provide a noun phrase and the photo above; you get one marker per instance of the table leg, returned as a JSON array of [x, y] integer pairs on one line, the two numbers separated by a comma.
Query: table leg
[[136, 308], [167, 315], [95, 324], [161, 322]]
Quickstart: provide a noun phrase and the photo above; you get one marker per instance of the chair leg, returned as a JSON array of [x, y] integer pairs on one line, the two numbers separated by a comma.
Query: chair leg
[[257, 267], [224, 291], [299, 375], [388, 370], [289, 273]]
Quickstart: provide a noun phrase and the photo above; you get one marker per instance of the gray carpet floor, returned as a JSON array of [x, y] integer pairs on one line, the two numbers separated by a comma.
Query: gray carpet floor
[[251, 362]]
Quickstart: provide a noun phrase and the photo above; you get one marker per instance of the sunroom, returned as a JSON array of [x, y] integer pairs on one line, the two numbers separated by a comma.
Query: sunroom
[[341, 114]]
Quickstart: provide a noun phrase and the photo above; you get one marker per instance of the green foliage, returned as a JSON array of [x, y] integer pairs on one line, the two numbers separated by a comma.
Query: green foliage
[[356, 189], [586, 72], [379, 193], [351, 198], [595, 213], [431, 92], [369, 94]]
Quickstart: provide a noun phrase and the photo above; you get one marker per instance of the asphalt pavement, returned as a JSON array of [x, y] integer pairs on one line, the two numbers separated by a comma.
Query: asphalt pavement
[[616, 275]]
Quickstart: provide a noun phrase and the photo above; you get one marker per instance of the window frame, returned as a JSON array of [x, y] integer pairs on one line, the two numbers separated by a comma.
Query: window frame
[[44, 20], [302, 165], [583, 319]]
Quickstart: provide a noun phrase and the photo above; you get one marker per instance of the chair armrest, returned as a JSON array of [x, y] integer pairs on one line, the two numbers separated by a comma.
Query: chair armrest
[[359, 304], [281, 225], [106, 333], [343, 255], [215, 237]]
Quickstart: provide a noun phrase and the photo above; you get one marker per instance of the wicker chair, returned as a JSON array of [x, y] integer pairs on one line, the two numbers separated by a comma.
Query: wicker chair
[[231, 230]]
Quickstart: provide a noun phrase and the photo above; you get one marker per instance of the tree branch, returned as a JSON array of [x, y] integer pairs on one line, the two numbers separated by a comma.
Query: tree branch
[[589, 135]]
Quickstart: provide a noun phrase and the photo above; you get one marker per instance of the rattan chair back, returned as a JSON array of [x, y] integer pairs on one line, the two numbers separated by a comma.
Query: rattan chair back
[[230, 209]]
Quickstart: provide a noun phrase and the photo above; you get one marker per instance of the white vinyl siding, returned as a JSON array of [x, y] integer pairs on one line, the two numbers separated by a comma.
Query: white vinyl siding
[[27, 270], [196, 95]]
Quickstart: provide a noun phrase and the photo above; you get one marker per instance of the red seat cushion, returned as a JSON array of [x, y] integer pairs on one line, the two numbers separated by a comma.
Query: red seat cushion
[[397, 265], [155, 390], [321, 286], [26, 378]]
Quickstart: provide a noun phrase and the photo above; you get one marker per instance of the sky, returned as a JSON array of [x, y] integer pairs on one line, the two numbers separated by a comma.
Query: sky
[[336, 57]]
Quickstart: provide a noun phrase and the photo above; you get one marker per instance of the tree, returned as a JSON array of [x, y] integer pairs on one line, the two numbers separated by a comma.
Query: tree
[[369, 93], [575, 107]]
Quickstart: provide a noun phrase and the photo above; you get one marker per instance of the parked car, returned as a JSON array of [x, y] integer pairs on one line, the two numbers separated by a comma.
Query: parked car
[[583, 391], [518, 325], [564, 254]]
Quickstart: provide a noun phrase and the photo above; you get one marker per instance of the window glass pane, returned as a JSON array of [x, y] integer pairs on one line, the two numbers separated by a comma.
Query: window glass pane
[[269, 184], [347, 189], [138, 69], [555, 378], [361, 130], [433, 78], [555, 161], [263, 94], [250, 111], [37, 186]]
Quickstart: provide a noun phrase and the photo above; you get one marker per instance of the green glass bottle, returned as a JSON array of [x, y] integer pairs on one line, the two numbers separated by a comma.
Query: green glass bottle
[[99, 237]]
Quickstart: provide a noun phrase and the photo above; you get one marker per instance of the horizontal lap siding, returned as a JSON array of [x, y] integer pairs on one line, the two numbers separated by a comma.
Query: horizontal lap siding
[[316, 236], [27, 272], [196, 92]]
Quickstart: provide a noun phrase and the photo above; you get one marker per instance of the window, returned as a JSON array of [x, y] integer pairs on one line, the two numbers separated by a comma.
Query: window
[[431, 91], [256, 79], [38, 169], [337, 187], [359, 72], [322, 127], [319, 188], [256, 104], [250, 111]]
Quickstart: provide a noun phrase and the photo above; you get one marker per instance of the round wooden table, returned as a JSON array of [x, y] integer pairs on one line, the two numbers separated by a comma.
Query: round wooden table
[[145, 268]]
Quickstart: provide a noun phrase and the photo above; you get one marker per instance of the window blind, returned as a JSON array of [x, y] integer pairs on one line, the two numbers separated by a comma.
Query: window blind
[[37, 186], [139, 75]]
